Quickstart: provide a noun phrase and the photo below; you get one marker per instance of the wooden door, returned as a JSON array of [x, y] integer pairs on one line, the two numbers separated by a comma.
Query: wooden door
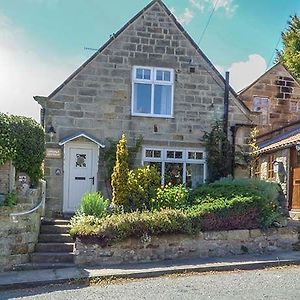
[[296, 188]]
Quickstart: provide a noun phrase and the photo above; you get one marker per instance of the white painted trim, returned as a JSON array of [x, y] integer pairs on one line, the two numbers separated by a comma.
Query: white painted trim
[[95, 160], [78, 136]]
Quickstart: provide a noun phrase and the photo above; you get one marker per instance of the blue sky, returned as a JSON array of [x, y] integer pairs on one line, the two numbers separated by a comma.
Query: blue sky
[[42, 41]]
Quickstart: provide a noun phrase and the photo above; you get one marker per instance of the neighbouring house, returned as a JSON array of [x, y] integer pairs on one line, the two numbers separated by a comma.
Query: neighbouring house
[[279, 161], [150, 79], [275, 97]]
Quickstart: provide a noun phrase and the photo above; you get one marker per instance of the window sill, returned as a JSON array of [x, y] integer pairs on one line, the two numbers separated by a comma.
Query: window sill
[[152, 116]]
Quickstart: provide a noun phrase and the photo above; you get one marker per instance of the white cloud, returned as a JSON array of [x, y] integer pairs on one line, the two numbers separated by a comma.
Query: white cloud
[[228, 6], [185, 17], [243, 73], [24, 73]]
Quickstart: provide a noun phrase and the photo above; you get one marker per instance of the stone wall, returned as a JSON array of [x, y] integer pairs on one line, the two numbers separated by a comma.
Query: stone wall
[[7, 177], [97, 100], [207, 244], [282, 90], [18, 239]]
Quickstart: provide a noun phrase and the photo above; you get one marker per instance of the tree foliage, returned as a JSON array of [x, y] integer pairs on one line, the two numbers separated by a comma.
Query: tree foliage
[[22, 140], [290, 54]]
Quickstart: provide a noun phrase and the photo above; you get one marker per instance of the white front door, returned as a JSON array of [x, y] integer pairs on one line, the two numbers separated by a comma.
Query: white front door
[[80, 173]]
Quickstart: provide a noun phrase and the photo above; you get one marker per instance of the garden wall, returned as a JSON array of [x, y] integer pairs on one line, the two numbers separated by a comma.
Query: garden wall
[[204, 244], [17, 239]]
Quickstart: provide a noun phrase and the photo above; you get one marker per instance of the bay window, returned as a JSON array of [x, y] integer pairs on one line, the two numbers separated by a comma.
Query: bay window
[[180, 166], [152, 91]]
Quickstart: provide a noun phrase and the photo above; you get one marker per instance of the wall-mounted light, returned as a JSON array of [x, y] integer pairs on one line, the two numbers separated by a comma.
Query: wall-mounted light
[[298, 147], [51, 131]]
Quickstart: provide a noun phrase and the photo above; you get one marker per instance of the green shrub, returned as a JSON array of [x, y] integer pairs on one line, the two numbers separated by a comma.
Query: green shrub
[[264, 193], [93, 204], [169, 196], [142, 185], [136, 224], [11, 199]]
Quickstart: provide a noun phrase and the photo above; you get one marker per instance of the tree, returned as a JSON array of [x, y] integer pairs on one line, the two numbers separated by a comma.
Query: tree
[[290, 54], [219, 153], [119, 178]]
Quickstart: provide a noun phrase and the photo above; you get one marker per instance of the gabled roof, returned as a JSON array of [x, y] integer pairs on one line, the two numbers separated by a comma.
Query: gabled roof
[[79, 135], [268, 71], [179, 26], [281, 141]]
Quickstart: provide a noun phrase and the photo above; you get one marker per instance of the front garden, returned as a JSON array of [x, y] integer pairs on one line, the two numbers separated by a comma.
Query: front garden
[[141, 207]]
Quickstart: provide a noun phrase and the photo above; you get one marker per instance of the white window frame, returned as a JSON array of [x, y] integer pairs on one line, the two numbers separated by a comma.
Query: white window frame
[[184, 160], [153, 82]]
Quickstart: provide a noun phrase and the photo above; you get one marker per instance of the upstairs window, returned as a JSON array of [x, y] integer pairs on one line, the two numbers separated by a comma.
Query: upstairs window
[[294, 107], [152, 91], [261, 104]]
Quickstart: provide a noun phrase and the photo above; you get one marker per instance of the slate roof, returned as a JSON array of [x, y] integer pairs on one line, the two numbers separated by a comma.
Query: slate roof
[[281, 141]]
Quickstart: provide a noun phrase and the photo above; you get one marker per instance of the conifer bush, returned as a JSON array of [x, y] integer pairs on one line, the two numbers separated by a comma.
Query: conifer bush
[[119, 178]]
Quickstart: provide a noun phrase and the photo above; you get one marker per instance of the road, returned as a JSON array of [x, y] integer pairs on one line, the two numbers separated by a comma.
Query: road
[[277, 283]]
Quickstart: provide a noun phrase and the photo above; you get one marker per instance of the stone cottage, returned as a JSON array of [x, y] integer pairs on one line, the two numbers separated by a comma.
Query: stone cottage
[[275, 96], [150, 79]]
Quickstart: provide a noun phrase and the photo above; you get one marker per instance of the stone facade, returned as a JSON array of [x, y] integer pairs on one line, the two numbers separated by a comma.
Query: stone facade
[[7, 177], [207, 244], [283, 92], [96, 99], [18, 239]]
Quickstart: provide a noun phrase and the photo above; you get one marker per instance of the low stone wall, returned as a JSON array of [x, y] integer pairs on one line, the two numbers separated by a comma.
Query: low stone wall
[[17, 239], [204, 244]]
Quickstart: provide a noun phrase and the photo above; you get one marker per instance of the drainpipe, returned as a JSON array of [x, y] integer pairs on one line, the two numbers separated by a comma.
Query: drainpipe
[[233, 130], [226, 105]]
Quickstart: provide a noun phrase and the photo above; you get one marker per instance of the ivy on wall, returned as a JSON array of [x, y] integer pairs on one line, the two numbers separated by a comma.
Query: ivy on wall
[[219, 153], [22, 140]]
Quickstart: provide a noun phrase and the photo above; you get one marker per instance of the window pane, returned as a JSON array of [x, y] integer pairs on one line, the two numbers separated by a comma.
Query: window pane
[[157, 153], [139, 73], [162, 99], [147, 74], [143, 74], [178, 154], [163, 75], [149, 153], [195, 155], [142, 98], [194, 175], [159, 75], [167, 76], [170, 154], [173, 173]]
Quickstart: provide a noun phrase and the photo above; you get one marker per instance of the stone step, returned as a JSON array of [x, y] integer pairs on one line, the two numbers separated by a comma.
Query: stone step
[[54, 229], [55, 222], [54, 247], [51, 258], [40, 266], [55, 238]]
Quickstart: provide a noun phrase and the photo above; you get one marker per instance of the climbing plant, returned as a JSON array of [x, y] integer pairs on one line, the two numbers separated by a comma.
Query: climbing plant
[[219, 152], [22, 140], [253, 150]]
